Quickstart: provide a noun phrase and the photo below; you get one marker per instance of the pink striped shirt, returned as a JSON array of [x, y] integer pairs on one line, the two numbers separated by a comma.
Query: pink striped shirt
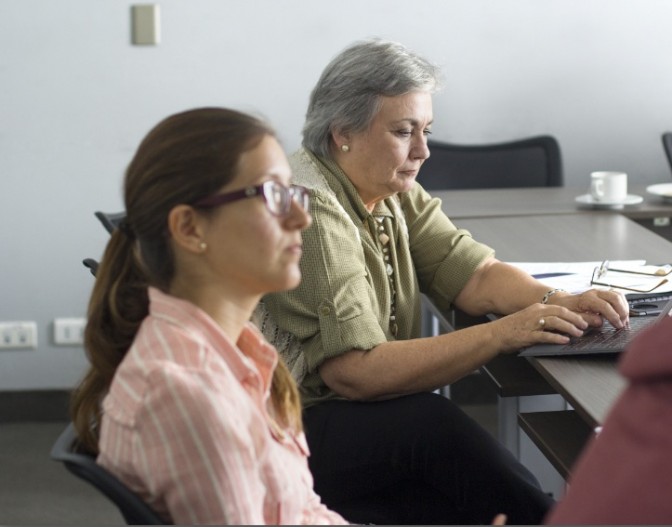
[[186, 425]]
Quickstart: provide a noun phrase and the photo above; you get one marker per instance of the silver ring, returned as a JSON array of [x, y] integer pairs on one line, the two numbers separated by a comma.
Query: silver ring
[[542, 322]]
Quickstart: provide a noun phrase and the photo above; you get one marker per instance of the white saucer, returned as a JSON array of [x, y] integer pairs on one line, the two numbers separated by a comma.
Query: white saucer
[[664, 190], [587, 199]]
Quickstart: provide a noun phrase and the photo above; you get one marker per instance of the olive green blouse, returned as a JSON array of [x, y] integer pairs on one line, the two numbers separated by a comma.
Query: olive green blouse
[[362, 272]]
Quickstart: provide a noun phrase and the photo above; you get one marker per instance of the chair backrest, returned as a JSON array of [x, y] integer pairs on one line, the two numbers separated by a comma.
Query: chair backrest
[[91, 264], [531, 162], [110, 220], [667, 145], [133, 509]]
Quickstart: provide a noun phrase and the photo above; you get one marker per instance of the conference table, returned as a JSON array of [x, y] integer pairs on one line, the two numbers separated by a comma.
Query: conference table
[[654, 213], [529, 201], [546, 225]]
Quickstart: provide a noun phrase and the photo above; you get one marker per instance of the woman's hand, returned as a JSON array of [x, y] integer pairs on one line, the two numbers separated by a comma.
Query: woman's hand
[[538, 323], [565, 315], [595, 305], [500, 519]]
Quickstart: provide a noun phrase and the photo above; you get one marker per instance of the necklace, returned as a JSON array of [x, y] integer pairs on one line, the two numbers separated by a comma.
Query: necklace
[[384, 239]]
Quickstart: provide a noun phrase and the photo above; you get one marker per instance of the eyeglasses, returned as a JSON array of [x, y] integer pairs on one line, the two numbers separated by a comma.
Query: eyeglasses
[[278, 198], [625, 279], [600, 273]]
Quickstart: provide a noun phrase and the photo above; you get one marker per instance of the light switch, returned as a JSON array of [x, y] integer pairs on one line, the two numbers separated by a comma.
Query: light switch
[[146, 24]]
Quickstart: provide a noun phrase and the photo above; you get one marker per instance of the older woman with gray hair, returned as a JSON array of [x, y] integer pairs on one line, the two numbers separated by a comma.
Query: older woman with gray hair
[[385, 448]]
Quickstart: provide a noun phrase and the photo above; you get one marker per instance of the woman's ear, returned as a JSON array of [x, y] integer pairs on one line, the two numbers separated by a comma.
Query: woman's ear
[[340, 138], [186, 228]]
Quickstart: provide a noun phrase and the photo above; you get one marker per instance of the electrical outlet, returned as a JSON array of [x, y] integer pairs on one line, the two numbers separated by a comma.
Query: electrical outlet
[[18, 335], [146, 24], [69, 331]]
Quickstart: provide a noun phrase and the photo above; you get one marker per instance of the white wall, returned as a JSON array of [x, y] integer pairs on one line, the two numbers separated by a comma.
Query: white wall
[[76, 98]]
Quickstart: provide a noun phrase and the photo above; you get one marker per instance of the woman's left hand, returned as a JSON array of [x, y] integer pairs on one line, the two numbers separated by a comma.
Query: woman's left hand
[[595, 305]]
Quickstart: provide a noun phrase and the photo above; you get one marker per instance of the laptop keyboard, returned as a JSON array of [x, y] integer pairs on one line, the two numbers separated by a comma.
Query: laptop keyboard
[[608, 336]]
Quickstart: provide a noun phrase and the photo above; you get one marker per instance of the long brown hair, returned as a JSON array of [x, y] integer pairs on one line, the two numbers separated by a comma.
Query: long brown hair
[[186, 157]]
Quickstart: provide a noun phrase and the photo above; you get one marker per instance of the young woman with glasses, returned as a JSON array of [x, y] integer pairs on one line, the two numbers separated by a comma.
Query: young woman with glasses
[[185, 401]]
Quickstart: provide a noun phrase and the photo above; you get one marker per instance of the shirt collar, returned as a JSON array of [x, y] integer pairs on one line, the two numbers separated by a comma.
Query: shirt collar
[[333, 171], [251, 354]]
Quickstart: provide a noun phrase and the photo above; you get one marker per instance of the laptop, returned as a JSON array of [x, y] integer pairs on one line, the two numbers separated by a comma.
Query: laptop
[[606, 339], [644, 304]]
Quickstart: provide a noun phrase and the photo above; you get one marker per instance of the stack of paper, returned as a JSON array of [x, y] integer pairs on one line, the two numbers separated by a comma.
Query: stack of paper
[[627, 276]]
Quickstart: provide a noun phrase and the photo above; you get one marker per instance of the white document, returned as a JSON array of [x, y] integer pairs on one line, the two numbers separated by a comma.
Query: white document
[[632, 282], [575, 277]]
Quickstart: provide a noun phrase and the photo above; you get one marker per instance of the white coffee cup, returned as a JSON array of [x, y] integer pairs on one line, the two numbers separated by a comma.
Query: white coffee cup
[[610, 187]]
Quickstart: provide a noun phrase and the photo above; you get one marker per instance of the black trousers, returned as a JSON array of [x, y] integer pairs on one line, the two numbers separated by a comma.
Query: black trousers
[[416, 459]]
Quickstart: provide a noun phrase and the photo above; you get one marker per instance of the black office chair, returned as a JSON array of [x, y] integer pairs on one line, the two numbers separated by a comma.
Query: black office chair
[[110, 220], [133, 509], [91, 265], [531, 162], [667, 145]]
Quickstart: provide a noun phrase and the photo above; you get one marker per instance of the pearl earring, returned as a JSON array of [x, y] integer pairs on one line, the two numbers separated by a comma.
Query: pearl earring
[[345, 148], [203, 246]]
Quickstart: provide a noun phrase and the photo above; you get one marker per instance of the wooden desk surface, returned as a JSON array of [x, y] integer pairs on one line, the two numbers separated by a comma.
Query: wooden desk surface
[[568, 238], [589, 385], [484, 203]]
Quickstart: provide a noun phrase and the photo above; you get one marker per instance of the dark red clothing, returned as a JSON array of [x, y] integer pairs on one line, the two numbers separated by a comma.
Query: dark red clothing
[[625, 474]]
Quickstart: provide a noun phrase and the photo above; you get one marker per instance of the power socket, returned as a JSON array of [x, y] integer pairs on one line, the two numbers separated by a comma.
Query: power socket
[[69, 331], [146, 24], [18, 335]]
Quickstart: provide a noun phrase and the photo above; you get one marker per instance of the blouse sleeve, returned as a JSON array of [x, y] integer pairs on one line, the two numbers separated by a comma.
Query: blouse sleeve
[[211, 458], [182, 430], [444, 256]]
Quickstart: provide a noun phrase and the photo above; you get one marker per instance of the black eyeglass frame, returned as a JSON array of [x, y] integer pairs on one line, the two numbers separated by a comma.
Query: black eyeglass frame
[[296, 193]]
